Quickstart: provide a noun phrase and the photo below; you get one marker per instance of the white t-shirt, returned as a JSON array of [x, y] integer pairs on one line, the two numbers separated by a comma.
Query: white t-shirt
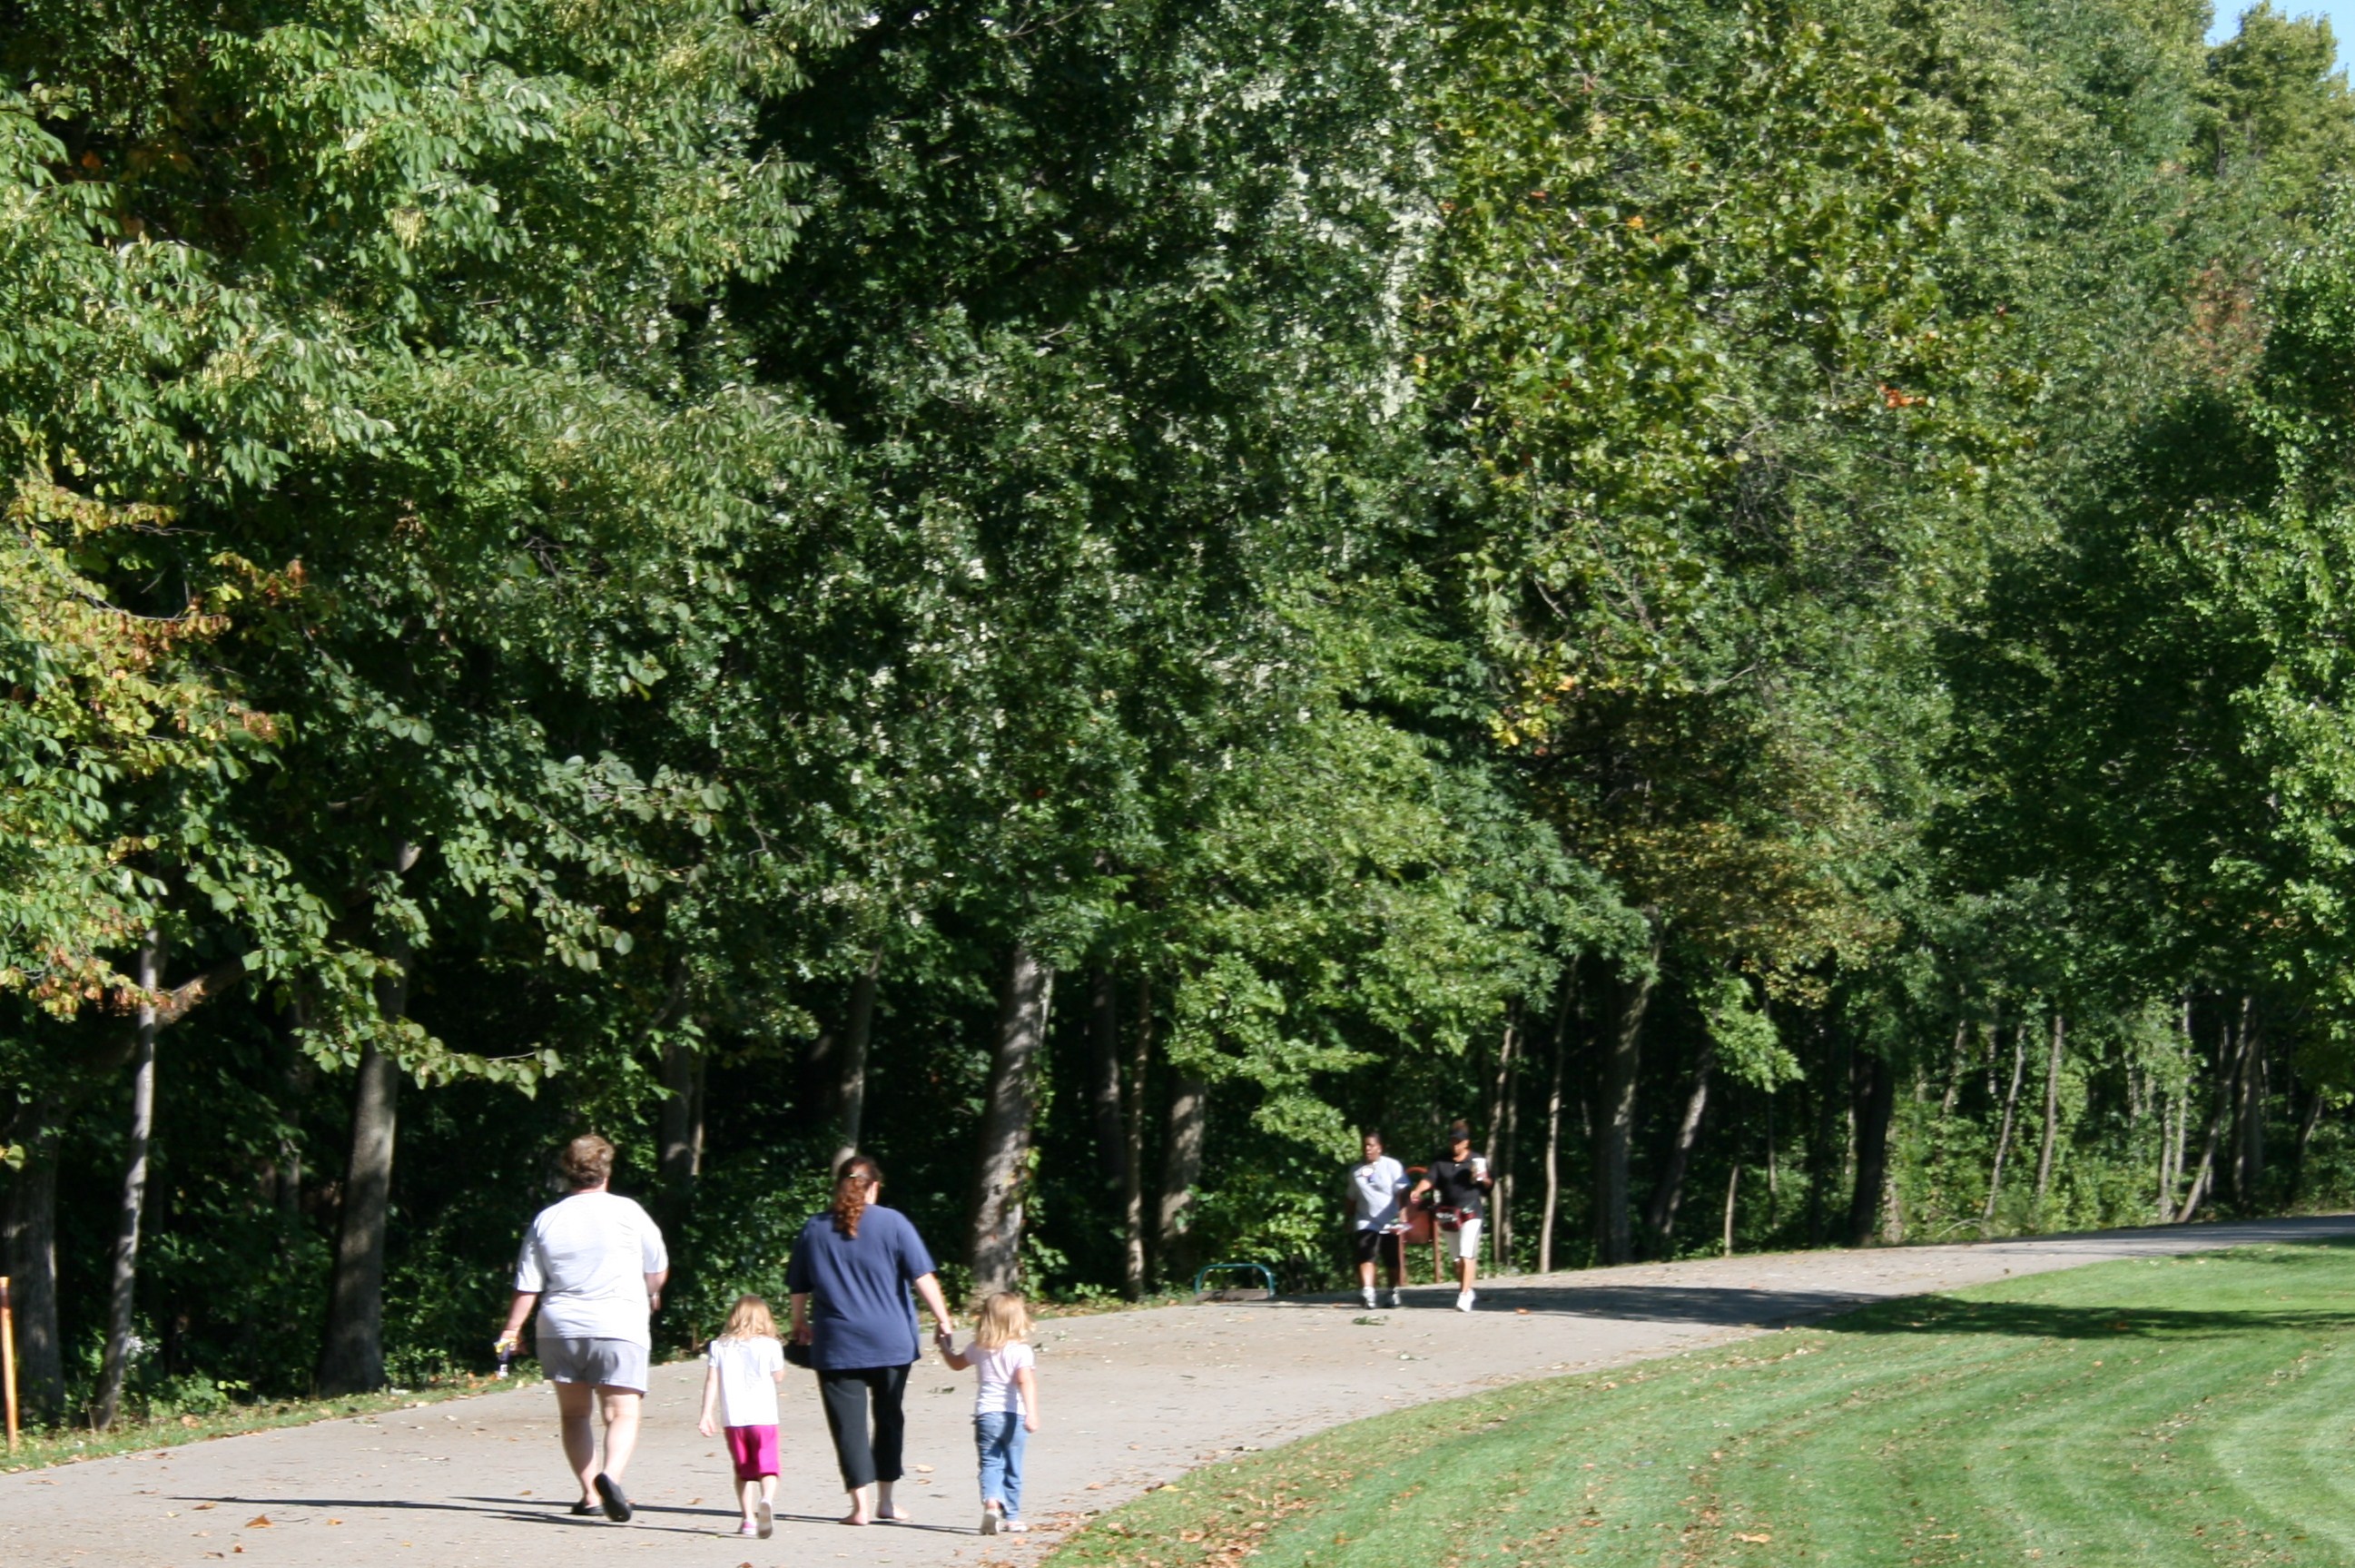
[[748, 1379], [1377, 1187], [998, 1391], [588, 1256]]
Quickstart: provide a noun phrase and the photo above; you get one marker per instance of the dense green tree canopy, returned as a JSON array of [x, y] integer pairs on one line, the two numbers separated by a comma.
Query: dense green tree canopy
[[1096, 598]]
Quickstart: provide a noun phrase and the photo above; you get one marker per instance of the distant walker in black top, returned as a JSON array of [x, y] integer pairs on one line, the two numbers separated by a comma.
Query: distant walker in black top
[[1459, 1183]]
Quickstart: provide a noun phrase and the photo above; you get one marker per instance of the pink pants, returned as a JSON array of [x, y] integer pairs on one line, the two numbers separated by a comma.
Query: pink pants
[[754, 1449]]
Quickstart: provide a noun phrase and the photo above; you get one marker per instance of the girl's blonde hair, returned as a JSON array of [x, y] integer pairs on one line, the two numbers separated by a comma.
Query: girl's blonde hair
[[750, 1318], [1005, 1319]]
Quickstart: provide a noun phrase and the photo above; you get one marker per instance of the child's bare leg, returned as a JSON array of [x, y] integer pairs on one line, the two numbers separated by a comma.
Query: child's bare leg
[[747, 1490]]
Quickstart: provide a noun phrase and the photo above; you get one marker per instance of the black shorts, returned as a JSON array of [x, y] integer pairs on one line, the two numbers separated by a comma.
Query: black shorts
[[1367, 1246]]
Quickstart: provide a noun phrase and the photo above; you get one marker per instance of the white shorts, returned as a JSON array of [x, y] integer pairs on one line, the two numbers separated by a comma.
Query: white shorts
[[1467, 1243]]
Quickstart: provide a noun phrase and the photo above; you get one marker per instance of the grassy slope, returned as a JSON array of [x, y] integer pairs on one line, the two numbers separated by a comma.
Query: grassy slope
[[2195, 1410]]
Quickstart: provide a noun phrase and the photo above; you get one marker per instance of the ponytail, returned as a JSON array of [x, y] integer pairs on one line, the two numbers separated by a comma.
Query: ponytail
[[850, 1184]]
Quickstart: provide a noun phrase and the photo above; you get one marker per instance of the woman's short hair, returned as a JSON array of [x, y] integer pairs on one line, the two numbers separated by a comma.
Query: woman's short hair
[[587, 1161], [1372, 1136]]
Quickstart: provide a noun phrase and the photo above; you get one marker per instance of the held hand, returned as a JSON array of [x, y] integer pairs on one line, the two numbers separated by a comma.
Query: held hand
[[506, 1344]]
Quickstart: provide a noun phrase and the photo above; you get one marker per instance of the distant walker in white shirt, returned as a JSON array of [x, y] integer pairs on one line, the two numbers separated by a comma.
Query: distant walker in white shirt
[[593, 1263], [1377, 1194]]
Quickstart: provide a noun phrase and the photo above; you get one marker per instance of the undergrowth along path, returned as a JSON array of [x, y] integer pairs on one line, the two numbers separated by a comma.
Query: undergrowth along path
[[2185, 1410]]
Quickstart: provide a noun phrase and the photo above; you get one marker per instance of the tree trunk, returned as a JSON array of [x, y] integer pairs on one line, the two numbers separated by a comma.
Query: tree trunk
[[1961, 1064], [1104, 1088], [1614, 1120], [1876, 1108], [1001, 1178], [680, 1157], [2228, 1053], [2249, 1144], [1824, 1154], [2011, 1110], [1553, 1124], [1733, 1190], [1668, 1190], [1500, 1096], [1773, 1182], [352, 1359], [1181, 1167], [2051, 1113], [2305, 1127], [850, 1090], [1132, 1274], [123, 1286], [28, 1243]]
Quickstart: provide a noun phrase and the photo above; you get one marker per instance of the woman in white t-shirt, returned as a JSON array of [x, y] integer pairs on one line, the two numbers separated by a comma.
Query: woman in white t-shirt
[[1004, 1409], [740, 1395], [594, 1266]]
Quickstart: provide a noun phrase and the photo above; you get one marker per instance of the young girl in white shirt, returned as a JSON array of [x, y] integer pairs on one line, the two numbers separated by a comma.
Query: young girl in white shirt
[[747, 1367], [1006, 1409]]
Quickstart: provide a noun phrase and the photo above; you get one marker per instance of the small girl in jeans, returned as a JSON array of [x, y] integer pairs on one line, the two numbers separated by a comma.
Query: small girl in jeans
[[748, 1365], [1007, 1408]]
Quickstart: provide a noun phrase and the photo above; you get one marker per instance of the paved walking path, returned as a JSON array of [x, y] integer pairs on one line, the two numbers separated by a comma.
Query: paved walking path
[[1131, 1399]]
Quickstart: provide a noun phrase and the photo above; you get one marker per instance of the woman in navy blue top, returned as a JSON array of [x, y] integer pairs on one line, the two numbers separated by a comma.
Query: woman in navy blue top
[[851, 1274]]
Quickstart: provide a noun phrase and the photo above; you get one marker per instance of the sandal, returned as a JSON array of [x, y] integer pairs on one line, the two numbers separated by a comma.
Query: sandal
[[617, 1501]]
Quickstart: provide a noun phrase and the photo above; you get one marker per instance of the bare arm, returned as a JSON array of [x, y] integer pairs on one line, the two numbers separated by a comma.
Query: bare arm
[[710, 1401], [517, 1311], [800, 1332], [655, 1283], [947, 1347], [929, 1288], [1027, 1382]]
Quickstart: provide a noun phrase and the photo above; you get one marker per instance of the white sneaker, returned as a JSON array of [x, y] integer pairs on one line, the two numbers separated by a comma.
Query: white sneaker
[[991, 1520], [1393, 1301], [1367, 1296], [1463, 1300]]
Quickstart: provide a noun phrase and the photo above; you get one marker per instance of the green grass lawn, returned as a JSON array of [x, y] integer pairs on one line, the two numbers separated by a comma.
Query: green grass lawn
[[2195, 1410]]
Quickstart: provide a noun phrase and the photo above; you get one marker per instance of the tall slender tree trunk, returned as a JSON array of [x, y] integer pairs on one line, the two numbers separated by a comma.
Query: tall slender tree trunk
[[1001, 1178], [679, 1157], [28, 1243], [1773, 1182], [2305, 1127], [1668, 1190], [1554, 1124], [2051, 1111], [1134, 1276], [1824, 1153], [2010, 1112], [1732, 1191], [2249, 1144], [1876, 1108], [351, 1361], [1501, 1223], [850, 1087], [1955, 1074], [1614, 1120], [2229, 1052], [1103, 1085], [1181, 1167], [123, 1286]]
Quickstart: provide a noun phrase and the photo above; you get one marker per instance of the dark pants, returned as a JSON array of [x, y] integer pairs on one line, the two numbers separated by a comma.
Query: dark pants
[[845, 1395]]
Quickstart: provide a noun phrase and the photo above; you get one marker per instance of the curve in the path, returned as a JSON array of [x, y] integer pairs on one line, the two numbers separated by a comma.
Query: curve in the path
[[1130, 1399]]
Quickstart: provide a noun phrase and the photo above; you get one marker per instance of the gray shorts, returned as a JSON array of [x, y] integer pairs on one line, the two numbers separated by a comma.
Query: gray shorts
[[608, 1363]]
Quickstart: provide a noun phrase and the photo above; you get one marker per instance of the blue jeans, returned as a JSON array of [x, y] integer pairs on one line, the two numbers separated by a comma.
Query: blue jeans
[[999, 1436]]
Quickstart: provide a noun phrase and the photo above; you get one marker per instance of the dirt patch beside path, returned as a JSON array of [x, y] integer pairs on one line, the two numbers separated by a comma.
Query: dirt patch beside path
[[1130, 1400]]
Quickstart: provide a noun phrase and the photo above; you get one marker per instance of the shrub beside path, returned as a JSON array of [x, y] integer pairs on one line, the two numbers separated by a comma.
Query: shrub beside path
[[1132, 1400]]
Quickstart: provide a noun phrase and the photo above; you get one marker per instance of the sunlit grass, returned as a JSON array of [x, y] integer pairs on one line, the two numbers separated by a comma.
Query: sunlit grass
[[2192, 1410]]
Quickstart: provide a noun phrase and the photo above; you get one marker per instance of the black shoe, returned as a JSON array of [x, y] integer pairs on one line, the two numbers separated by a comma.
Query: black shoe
[[617, 1501], [582, 1511]]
